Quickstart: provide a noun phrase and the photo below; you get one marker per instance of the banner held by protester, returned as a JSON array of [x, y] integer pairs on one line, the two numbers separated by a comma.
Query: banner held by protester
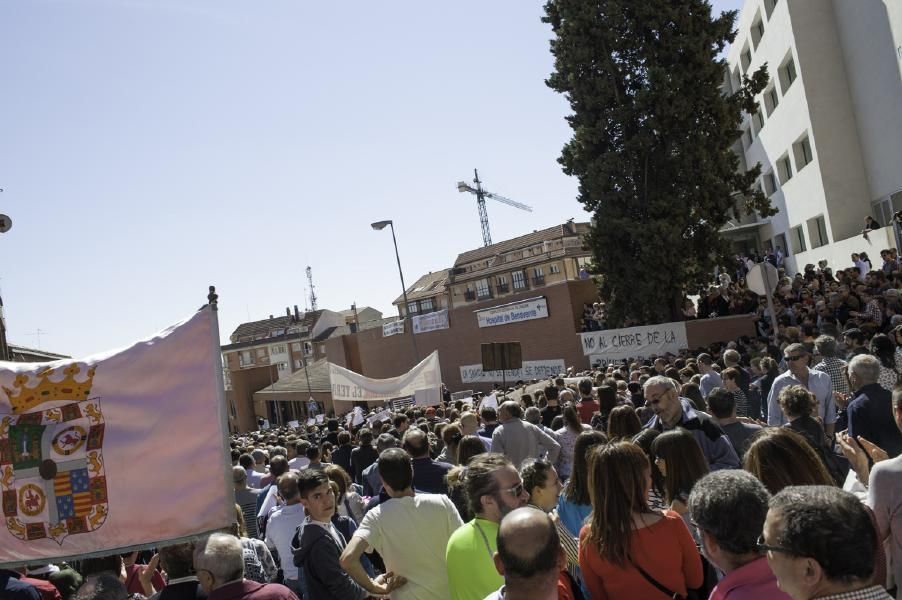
[[78, 439]]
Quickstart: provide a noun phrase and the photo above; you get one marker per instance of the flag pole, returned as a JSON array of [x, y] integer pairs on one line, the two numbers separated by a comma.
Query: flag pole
[[213, 306]]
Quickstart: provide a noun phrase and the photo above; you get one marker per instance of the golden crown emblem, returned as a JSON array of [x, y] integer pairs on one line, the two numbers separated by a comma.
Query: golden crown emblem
[[24, 398]]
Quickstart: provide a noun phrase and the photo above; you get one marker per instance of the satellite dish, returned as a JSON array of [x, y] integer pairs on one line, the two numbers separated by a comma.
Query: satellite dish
[[5, 223]]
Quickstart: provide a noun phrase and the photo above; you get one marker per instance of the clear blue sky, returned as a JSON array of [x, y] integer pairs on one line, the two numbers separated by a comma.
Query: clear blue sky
[[149, 148]]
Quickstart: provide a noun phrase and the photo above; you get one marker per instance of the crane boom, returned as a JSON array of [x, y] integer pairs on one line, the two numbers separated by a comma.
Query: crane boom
[[508, 201]]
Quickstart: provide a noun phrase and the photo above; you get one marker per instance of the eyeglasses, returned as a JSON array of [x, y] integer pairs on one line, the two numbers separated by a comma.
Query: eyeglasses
[[794, 358], [515, 491], [762, 547]]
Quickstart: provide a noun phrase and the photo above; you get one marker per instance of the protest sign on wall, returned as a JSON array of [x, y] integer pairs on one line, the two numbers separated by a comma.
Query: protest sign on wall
[[73, 431], [532, 369], [430, 322], [526, 310], [393, 328], [350, 386], [635, 342]]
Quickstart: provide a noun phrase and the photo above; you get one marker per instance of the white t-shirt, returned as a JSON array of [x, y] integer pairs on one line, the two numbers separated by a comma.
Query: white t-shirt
[[298, 462], [411, 534]]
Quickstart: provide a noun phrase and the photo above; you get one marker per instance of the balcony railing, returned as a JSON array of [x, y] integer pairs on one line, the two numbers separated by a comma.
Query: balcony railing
[[469, 295], [503, 288], [538, 280]]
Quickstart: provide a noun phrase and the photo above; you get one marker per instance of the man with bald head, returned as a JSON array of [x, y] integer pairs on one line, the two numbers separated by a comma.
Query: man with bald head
[[519, 440], [428, 475], [529, 556]]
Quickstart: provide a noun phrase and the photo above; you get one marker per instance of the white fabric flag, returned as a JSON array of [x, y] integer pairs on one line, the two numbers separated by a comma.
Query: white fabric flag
[[350, 386], [117, 450]]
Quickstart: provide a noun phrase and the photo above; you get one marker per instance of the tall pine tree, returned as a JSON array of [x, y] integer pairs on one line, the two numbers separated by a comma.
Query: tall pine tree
[[652, 135]]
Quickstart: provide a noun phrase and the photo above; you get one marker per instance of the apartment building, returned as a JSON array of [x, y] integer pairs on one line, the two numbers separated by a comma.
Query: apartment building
[[828, 132], [264, 352], [428, 294], [528, 262]]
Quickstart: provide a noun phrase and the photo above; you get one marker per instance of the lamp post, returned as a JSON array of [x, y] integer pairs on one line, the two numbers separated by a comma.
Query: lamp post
[[378, 226]]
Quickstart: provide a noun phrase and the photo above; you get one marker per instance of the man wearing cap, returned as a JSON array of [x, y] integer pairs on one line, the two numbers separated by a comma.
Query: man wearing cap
[[816, 382]]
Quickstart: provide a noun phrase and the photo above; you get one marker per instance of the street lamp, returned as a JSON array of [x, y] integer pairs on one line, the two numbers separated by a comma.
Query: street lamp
[[379, 226]]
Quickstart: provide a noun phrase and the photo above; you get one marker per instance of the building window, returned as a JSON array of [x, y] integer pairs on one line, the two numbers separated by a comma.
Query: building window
[[298, 363], [758, 119], [769, 6], [554, 269], [501, 284], [787, 72], [784, 166], [245, 358], [308, 348], [747, 137], [519, 279], [296, 347], [746, 59], [482, 289], [426, 305], [798, 240], [261, 352], [771, 100], [412, 308], [283, 366], [802, 151], [280, 349], [770, 184], [757, 31], [817, 231]]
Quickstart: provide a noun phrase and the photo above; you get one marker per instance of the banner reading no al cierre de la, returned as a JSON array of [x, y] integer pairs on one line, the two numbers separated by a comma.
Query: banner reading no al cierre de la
[[634, 342], [115, 451], [423, 381]]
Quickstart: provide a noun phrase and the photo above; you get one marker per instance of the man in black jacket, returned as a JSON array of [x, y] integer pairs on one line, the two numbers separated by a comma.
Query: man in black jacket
[[321, 544], [178, 562]]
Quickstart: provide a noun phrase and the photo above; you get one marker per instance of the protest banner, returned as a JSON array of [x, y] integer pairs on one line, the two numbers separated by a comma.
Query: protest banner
[[393, 328], [349, 386], [534, 308], [293, 424], [532, 369], [320, 419], [382, 415], [430, 322], [461, 395], [634, 342], [79, 438], [311, 421], [489, 401]]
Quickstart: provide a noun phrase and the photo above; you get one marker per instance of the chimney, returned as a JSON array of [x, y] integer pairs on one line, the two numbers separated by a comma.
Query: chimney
[[297, 315], [288, 313], [270, 317]]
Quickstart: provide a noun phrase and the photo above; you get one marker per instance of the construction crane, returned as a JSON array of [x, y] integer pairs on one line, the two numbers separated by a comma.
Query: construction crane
[[481, 195], [312, 293]]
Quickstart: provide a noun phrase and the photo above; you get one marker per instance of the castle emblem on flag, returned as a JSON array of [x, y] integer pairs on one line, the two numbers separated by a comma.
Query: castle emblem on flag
[[52, 476]]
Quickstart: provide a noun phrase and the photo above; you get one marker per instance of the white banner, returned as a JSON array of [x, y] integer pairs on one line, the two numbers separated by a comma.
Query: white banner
[[350, 386], [534, 308], [430, 322], [635, 342], [532, 369], [393, 328], [73, 433]]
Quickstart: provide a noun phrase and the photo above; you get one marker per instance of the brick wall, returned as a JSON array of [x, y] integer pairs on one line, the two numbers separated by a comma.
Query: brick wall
[[550, 338]]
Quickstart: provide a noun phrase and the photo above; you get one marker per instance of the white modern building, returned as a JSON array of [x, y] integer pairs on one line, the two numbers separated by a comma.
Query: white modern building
[[828, 133]]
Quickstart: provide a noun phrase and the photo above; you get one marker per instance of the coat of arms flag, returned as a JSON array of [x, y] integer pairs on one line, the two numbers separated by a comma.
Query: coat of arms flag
[[114, 451]]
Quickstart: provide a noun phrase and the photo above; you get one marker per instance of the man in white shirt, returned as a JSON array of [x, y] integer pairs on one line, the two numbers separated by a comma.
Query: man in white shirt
[[281, 527], [410, 531]]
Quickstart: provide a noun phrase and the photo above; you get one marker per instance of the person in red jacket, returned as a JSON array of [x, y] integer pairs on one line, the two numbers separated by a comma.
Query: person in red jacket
[[627, 550]]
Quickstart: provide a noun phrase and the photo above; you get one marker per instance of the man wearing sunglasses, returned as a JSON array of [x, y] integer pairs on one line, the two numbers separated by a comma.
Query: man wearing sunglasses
[[494, 489], [816, 382], [820, 543]]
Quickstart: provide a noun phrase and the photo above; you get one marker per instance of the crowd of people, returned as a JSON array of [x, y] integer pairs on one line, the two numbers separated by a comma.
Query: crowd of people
[[766, 467]]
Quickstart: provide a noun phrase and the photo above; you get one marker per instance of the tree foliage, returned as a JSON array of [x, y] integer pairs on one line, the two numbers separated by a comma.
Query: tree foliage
[[652, 135]]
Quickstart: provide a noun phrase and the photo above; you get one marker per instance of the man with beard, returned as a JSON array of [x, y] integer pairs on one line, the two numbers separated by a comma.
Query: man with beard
[[494, 489]]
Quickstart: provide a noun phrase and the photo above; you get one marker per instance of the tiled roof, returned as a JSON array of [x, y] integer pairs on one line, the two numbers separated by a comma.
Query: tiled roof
[[568, 229], [297, 381], [14, 349], [428, 285], [255, 328]]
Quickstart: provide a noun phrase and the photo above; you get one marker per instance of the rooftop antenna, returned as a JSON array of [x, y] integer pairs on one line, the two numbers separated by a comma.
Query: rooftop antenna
[[481, 194], [312, 292]]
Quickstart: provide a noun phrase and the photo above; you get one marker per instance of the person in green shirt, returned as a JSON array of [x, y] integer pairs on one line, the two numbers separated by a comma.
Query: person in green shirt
[[494, 489]]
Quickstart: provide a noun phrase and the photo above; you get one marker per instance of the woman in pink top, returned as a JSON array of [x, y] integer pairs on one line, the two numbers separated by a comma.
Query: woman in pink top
[[626, 550]]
